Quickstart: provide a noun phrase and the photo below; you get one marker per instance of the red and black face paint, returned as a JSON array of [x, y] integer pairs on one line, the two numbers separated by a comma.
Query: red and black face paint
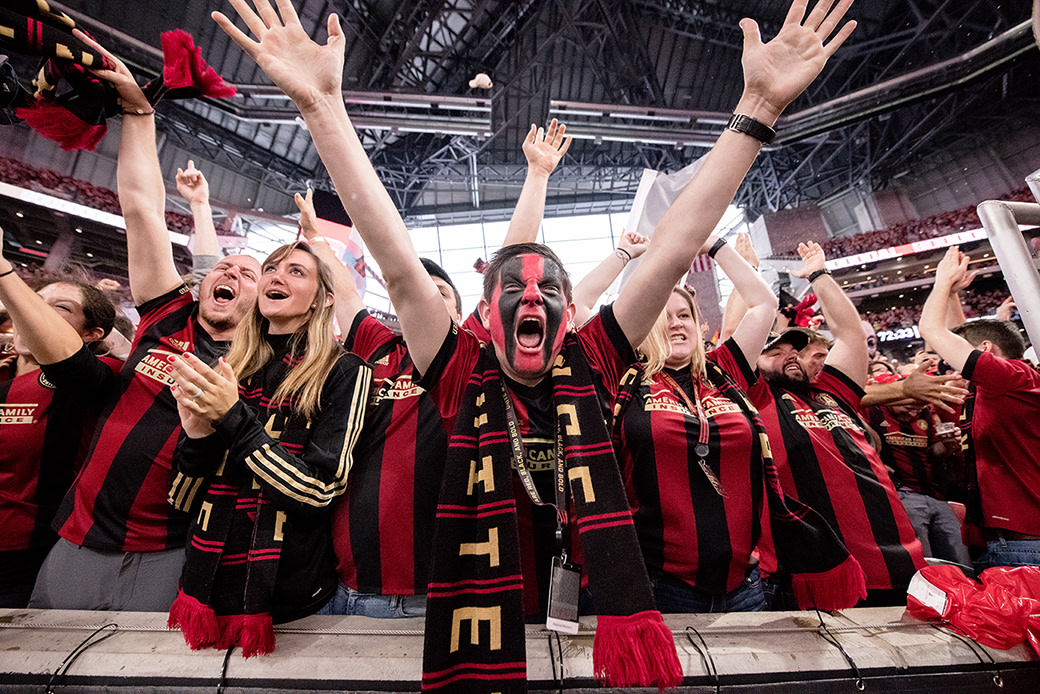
[[528, 313]]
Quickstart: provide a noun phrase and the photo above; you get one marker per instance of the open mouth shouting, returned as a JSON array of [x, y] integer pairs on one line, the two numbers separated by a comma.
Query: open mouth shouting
[[530, 333], [223, 294]]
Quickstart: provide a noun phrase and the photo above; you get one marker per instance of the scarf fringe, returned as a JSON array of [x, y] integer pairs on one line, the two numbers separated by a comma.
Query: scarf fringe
[[257, 635], [183, 66], [837, 589], [197, 621], [56, 123], [635, 651], [202, 628]]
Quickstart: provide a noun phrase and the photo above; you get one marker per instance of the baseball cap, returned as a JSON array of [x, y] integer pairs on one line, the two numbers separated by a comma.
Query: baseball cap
[[795, 337]]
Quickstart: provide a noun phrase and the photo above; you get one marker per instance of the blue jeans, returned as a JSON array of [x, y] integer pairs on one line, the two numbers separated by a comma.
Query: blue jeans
[[673, 595], [347, 601], [936, 527], [1001, 552]]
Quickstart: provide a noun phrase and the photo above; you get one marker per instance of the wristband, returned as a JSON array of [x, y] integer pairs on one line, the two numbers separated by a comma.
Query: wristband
[[747, 125], [628, 256], [318, 239], [716, 247], [5, 274], [817, 274], [139, 112]]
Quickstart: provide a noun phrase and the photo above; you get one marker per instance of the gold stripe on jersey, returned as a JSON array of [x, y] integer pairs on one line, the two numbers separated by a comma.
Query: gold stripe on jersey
[[291, 481]]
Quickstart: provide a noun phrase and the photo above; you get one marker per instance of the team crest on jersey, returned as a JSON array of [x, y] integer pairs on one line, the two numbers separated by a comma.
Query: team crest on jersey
[[18, 413], [401, 389], [155, 366], [42, 380]]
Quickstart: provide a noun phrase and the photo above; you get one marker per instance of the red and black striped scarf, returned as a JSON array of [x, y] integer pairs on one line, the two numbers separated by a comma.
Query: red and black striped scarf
[[75, 114], [235, 538], [475, 636], [824, 574]]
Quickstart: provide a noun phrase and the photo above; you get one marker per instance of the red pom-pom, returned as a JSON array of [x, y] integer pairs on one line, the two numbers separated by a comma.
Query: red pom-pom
[[183, 66]]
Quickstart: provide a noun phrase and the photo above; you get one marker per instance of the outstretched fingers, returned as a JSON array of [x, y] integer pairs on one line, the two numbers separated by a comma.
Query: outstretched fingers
[[251, 19], [818, 15], [248, 45], [796, 12]]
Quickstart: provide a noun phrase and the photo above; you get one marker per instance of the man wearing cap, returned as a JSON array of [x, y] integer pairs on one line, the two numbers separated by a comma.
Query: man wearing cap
[[821, 449]]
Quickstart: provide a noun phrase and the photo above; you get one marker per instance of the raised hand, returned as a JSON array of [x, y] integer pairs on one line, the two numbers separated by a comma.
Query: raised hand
[[545, 148], [192, 185], [308, 217], [775, 73], [1006, 308], [813, 259], [743, 246], [952, 271], [634, 244], [306, 71], [131, 99]]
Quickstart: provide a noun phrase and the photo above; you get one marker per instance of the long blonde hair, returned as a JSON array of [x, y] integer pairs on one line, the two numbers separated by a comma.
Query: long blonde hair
[[657, 347], [250, 350]]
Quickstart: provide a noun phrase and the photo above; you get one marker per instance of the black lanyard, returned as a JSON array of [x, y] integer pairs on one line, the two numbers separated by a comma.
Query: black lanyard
[[701, 450], [517, 445]]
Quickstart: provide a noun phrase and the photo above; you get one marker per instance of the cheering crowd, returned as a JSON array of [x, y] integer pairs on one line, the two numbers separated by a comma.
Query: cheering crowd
[[533, 460]]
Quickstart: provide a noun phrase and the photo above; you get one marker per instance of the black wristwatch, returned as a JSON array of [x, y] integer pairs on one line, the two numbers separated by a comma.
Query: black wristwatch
[[747, 125]]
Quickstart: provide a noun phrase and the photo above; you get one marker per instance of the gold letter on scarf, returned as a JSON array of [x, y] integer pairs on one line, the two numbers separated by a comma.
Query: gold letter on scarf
[[582, 473], [485, 476], [475, 615], [480, 548], [570, 411]]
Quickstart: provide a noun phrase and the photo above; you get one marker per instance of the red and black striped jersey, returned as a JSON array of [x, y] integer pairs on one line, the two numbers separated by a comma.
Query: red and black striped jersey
[[1005, 439], [44, 434], [686, 527], [119, 499], [905, 448], [824, 460], [383, 525]]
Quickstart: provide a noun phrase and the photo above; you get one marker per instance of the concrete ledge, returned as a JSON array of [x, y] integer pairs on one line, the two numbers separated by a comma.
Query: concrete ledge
[[771, 651]]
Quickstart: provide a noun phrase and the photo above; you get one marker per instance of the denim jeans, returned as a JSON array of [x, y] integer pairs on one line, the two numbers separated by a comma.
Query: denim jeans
[[673, 595], [347, 601], [1001, 552], [936, 527]]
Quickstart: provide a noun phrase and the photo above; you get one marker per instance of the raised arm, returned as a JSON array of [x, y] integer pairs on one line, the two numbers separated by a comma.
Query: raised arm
[[348, 301], [588, 291], [543, 150], [142, 193], [752, 330], [775, 73], [849, 352], [735, 306], [311, 75], [44, 332], [935, 330]]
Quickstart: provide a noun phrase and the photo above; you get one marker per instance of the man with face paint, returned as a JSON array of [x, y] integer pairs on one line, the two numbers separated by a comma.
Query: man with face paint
[[527, 308], [383, 525], [821, 449]]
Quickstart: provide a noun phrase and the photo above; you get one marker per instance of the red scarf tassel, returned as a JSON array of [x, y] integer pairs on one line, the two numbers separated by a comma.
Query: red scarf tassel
[[197, 621], [838, 589], [635, 651]]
